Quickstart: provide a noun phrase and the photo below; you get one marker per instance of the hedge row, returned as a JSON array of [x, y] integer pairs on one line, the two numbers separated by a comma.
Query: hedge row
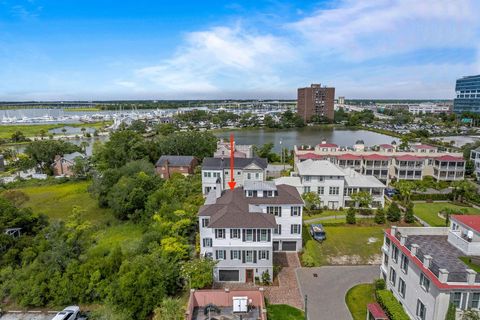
[[433, 197], [390, 305]]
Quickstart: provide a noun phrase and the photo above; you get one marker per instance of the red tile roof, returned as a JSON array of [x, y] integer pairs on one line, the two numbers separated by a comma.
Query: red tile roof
[[423, 146], [349, 156], [328, 145], [408, 157], [375, 157], [470, 221], [449, 158], [376, 311], [386, 146], [309, 155]]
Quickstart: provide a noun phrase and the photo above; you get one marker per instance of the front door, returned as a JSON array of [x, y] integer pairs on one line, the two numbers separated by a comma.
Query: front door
[[249, 275]]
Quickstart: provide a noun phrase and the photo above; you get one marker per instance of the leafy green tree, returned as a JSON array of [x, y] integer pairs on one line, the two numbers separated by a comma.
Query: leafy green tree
[[409, 216], [266, 152], [170, 309], [462, 190], [393, 212], [350, 218], [198, 273], [138, 126], [362, 199], [18, 136], [406, 189], [379, 216], [183, 143], [165, 129], [312, 200], [43, 152]]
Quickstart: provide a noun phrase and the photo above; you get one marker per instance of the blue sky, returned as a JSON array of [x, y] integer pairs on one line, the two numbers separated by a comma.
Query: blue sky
[[63, 50]]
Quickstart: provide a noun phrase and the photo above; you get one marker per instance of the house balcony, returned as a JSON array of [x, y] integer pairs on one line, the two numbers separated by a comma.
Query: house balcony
[[465, 245]]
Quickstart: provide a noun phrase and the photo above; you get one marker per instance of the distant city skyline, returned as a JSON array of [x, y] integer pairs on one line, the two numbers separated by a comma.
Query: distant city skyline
[[369, 49]]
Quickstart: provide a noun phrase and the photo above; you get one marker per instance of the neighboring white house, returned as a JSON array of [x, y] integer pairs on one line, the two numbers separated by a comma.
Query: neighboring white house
[[475, 157], [333, 184], [240, 150], [423, 267], [218, 169], [241, 228]]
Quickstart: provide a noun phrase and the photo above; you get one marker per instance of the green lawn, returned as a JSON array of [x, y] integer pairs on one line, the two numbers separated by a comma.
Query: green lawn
[[284, 312], [58, 200], [429, 212], [32, 130], [357, 299], [346, 244]]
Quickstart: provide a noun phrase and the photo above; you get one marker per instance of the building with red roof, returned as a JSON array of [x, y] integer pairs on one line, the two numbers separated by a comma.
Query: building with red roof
[[428, 268]]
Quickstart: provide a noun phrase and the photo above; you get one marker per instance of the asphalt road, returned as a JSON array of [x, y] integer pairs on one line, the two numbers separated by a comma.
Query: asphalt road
[[326, 292]]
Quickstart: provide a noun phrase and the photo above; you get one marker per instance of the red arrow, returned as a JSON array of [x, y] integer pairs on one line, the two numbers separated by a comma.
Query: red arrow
[[232, 182]]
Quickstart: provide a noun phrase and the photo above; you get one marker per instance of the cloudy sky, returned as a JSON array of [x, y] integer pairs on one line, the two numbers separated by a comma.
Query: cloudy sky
[[97, 49]]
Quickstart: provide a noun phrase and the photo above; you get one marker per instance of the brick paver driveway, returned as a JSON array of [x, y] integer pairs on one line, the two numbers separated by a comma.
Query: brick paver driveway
[[326, 292], [287, 291]]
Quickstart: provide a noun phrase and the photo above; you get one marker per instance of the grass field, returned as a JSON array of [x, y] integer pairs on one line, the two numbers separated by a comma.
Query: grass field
[[428, 212], [284, 312], [325, 213], [58, 200], [346, 244], [357, 299], [33, 130]]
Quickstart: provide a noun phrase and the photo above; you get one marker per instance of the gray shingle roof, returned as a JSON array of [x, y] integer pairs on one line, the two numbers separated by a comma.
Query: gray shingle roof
[[239, 163], [175, 161], [232, 209]]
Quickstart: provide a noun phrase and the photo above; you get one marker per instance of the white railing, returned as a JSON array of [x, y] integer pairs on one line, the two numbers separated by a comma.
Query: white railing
[[467, 247]]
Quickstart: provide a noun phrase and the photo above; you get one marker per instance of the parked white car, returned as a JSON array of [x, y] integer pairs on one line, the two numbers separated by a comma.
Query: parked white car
[[69, 313]]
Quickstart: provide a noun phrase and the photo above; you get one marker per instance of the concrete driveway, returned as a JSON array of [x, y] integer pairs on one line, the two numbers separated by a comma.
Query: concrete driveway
[[326, 292]]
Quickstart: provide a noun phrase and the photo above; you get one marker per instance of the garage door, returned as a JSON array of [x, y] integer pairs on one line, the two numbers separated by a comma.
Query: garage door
[[275, 245], [289, 246], [228, 275]]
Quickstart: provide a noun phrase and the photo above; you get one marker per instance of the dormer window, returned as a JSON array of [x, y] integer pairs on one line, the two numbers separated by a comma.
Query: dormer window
[[270, 193], [249, 193]]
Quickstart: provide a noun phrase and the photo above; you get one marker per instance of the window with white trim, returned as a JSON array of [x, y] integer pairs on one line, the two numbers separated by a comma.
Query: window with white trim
[[394, 254], [456, 299], [295, 229], [220, 254], [421, 310], [263, 255], [404, 263], [278, 229], [295, 211], [205, 222], [276, 211], [234, 233], [393, 276], [306, 189], [475, 304], [333, 190], [249, 193], [249, 235], [401, 287], [320, 190], [207, 242], [263, 235], [235, 254], [220, 233], [249, 256], [424, 282]]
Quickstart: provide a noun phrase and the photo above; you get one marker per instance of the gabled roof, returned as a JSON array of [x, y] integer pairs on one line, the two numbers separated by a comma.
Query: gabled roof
[[355, 179], [471, 221], [234, 210], [319, 168], [449, 158], [239, 163], [310, 155], [175, 161]]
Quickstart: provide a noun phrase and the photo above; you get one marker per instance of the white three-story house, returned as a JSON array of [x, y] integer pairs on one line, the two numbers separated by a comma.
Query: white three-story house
[[241, 228]]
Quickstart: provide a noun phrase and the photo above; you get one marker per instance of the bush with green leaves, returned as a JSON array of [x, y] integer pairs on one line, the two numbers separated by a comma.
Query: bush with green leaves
[[390, 304], [350, 218], [379, 216], [379, 284], [451, 312], [393, 212], [409, 216], [198, 273], [266, 279]]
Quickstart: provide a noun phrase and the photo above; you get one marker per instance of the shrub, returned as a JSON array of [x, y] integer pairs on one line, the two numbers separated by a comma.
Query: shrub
[[392, 307], [266, 277], [379, 284], [450, 312], [433, 197], [380, 216], [351, 216], [393, 212], [409, 216], [307, 260]]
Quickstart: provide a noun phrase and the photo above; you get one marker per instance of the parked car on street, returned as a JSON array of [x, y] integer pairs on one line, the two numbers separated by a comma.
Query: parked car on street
[[70, 313]]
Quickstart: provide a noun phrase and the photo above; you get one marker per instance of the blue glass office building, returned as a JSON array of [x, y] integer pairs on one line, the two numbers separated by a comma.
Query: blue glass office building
[[468, 95]]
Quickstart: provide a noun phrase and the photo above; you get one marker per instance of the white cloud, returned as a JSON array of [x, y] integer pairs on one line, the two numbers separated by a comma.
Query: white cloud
[[363, 29], [221, 57]]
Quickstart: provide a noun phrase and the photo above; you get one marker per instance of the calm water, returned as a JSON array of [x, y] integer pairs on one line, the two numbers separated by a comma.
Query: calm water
[[307, 136]]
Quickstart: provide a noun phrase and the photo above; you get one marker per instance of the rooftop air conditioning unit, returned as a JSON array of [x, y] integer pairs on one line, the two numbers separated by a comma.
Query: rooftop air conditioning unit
[[240, 304]]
